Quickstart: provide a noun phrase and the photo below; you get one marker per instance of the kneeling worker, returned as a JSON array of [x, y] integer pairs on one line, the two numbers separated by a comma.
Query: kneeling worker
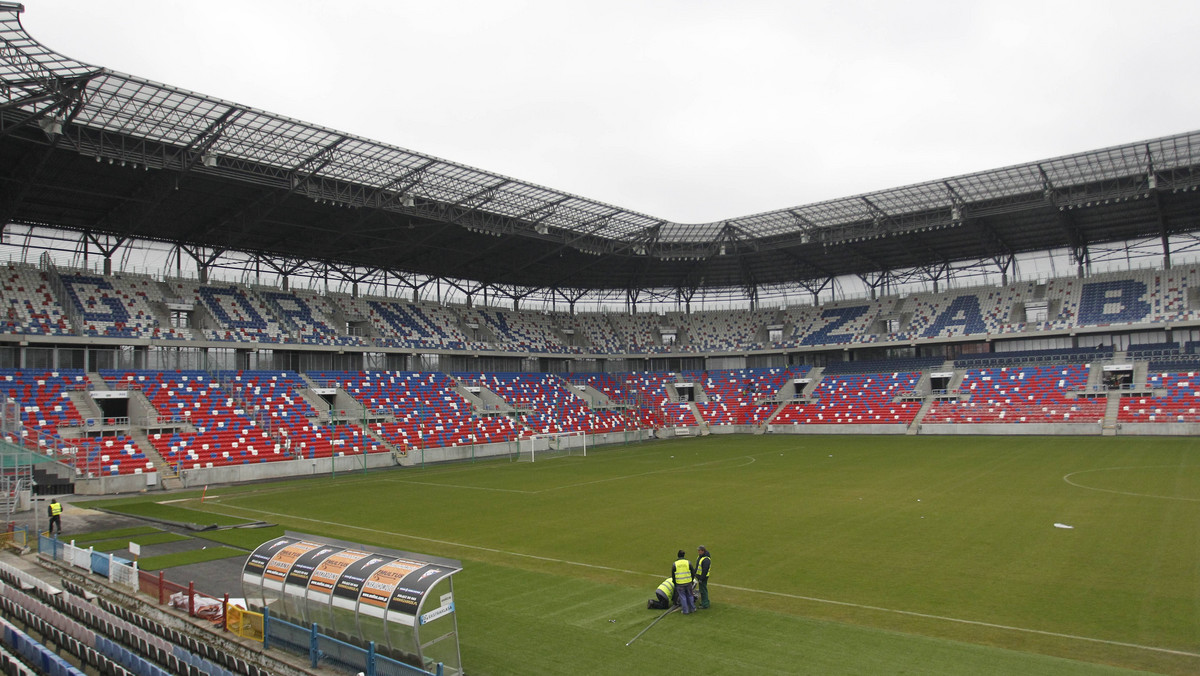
[[662, 596]]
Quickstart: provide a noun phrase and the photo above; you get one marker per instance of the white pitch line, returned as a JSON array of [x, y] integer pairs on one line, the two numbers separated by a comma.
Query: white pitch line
[[1067, 478], [957, 620], [813, 599], [701, 465], [474, 488]]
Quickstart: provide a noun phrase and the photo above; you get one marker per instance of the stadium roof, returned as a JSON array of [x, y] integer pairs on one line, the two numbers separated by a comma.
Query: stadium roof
[[89, 149]]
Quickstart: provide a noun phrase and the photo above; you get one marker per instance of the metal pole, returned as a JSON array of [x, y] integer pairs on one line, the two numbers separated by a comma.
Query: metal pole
[[669, 611]]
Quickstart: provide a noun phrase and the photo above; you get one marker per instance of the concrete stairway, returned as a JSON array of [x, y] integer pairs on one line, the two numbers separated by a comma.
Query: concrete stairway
[[168, 477], [1109, 427], [915, 427]]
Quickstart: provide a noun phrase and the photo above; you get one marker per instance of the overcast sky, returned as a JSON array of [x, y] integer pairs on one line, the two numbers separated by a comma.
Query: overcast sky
[[690, 111]]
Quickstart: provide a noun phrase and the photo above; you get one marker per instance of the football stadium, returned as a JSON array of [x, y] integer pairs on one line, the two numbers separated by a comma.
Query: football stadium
[[282, 399]]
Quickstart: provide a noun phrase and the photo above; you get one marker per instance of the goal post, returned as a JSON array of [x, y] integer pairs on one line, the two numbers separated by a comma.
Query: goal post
[[553, 445]]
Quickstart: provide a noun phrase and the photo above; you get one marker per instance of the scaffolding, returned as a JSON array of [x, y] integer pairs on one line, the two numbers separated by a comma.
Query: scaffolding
[[16, 478]]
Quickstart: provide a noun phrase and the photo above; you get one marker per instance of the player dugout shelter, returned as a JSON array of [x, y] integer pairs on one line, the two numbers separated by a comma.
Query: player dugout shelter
[[377, 595]]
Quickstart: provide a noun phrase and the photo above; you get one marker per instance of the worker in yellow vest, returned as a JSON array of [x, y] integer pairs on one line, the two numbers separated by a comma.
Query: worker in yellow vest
[[55, 511], [662, 596], [681, 572], [703, 563]]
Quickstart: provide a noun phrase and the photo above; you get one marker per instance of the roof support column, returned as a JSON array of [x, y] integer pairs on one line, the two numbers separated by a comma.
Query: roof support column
[[1005, 263], [203, 260], [1163, 229], [107, 248]]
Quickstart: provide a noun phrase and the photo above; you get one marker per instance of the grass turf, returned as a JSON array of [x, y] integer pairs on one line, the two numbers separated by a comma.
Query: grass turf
[[140, 507], [188, 557], [83, 539], [245, 538], [845, 552], [121, 543]]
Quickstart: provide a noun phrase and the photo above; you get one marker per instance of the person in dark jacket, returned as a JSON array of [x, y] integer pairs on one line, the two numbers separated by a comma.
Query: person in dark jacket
[[703, 564], [54, 511]]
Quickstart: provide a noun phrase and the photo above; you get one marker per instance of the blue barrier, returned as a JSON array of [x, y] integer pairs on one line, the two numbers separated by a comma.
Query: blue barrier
[[318, 647]]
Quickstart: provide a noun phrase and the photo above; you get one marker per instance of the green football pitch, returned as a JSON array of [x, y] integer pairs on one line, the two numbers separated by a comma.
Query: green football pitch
[[831, 554]]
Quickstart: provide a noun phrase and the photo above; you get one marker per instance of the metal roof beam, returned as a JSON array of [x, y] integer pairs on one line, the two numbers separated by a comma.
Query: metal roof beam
[[1078, 245]]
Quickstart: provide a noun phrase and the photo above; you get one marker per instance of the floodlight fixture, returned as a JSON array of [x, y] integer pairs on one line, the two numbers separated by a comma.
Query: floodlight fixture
[[53, 126]]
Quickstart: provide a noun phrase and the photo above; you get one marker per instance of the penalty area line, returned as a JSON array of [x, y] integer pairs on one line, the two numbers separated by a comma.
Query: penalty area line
[[957, 620], [812, 599]]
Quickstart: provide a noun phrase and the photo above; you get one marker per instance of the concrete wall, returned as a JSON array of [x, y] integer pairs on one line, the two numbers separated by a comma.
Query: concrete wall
[[193, 478], [837, 429], [733, 429], [110, 485], [1016, 429], [284, 468], [1158, 429]]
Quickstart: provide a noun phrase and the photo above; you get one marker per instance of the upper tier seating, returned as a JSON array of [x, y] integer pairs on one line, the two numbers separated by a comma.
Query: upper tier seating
[[719, 331], [596, 332], [416, 325], [307, 316], [637, 332], [240, 315], [29, 306], [835, 324], [1169, 292], [1028, 394], [955, 313], [127, 306], [118, 306], [521, 331]]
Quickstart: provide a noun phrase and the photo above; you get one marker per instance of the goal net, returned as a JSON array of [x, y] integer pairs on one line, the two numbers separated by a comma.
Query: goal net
[[556, 445]]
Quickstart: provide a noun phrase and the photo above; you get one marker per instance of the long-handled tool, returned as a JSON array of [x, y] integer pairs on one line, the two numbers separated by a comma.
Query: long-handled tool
[[668, 612]]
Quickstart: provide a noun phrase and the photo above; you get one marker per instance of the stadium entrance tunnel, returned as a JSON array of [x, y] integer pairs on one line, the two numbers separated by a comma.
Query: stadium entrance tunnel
[[357, 595]]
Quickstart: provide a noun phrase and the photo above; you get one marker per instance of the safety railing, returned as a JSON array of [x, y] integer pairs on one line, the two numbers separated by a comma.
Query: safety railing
[[323, 649], [14, 536], [120, 572]]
